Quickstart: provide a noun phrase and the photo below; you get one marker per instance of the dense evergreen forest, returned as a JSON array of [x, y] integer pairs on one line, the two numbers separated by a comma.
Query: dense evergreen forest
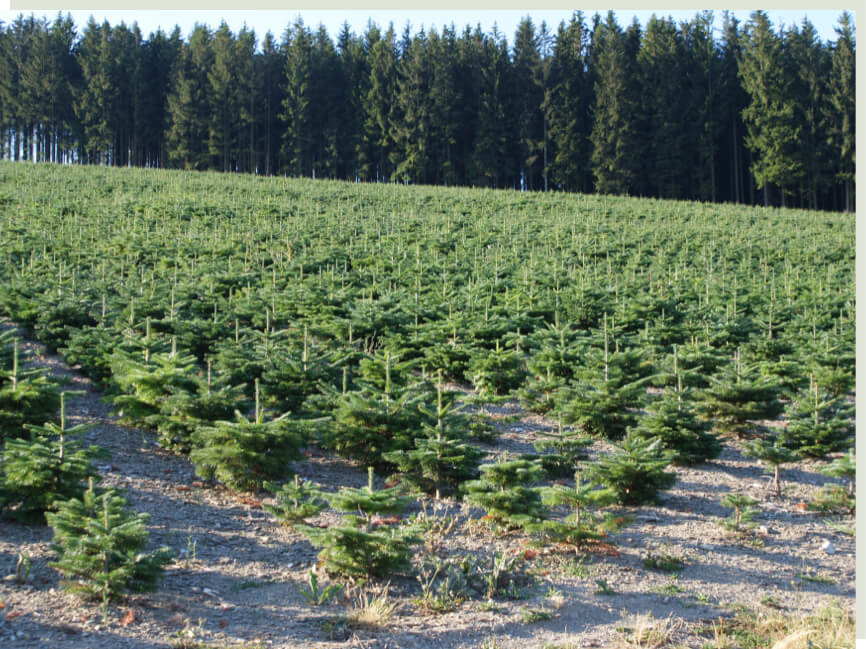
[[745, 113]]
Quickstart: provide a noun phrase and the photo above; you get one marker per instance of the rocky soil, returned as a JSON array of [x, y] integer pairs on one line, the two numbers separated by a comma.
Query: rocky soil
[[236, 575]]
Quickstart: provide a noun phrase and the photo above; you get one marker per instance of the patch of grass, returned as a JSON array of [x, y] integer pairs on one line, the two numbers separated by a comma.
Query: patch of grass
[[830, 628], [576, 567], [372, 609], [555, 598], [491, 642], [697, 599], [703, 598], [646, 632], [190, 638], [603, 588], [809, 575], [488, 606], [673, 588], [443, 585], [663, 562], [837, 525], [770, 601], [536, 614]]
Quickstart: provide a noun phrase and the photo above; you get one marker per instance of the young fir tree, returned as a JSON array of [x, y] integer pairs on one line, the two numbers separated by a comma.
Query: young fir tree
[[295, 501], [743, 515], [100, 546], [237, 358], [818, 424], [440, 462], [738, 397], [242, 454], [606, 395], [635, 470], [584, 523], [550, 366], [292, 375], [503, 493], [843, 467], [147, 387], [50, 467], [568, 446], [672, 419], [184, 410], [8, 339], [379, 416], [365, 545], [771, 451], [496, 372], [26, 397], [835, 497], [690, 364], [91, 348]]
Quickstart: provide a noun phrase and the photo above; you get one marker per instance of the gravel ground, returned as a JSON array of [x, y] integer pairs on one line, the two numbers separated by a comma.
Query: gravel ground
[[236, 575]]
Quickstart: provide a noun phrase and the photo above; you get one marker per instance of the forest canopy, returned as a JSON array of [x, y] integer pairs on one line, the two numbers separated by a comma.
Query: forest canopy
[[733, 112]]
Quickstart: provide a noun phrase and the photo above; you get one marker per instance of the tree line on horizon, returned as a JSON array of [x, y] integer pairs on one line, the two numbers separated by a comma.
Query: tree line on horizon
[[668, 110]]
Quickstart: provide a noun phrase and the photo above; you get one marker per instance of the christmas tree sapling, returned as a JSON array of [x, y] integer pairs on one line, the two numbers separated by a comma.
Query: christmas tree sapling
[[50, 467], [503, 493], [365, 545], [635, 470], [441, 461], [818, 423], [26, 397], [770, 450], [743, 515], [242, 454], [100, 547], [672, 419], [584, 523], [295, 501]]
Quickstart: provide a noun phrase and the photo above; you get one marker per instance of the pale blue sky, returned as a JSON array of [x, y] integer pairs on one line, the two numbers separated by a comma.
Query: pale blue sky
[[506, 20]]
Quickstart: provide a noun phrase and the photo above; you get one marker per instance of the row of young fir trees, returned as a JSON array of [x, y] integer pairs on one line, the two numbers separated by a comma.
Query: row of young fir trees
[[756, 115], [47, 475], [388, 418]]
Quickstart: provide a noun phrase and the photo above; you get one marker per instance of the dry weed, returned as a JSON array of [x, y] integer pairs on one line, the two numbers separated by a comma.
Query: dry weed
[[828, 628], [646, 632], [372, 608]]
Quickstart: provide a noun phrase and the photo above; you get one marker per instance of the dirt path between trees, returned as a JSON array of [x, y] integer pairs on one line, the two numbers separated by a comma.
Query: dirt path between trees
[[236, 575]]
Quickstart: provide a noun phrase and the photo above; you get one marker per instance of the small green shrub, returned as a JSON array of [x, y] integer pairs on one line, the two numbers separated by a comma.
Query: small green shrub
[[243, 454], [364, 545], [99, 546], [50, 467], [635, 470], [496, 372], [294, 502], [744, 513], [503, 493]]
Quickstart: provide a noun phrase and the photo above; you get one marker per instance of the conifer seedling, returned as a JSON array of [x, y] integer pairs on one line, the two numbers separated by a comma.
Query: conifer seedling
[[771, 451], [843, 467], [744, 512], [294, 502], [100, 547], [503, 492], [364, 545], [244, 453], [50, 467], [635, 470]]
